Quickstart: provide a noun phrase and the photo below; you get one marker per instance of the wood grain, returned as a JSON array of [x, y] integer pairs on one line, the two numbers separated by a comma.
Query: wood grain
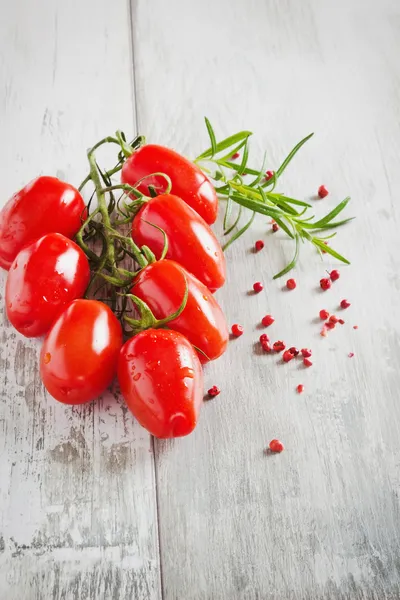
[[321, 520], [79, 489], [77, 493]]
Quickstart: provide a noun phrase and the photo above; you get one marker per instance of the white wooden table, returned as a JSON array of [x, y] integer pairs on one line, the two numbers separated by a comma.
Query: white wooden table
[[91, 507]]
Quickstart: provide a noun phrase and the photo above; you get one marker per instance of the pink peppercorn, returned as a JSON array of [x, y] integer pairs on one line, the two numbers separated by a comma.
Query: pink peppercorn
[[214, 391], [276, 446], [287, 356], [322, 191], [279, 346], [267, 320], [237, 330], [291, 284]]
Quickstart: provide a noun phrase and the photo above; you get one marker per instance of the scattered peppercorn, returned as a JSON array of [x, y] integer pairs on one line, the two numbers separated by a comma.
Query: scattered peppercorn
[[307, 362], [264, 338], [267, 320], [324, 315], [345, 304], [214, 391], [269, 175], [341, 321], [322, 191], [259, 245], [333, 319], [293, 350], [300, 388], [355, 326], [330, 325], [306, 352], [237, 330], [334, 275], [258, 286], [325, 283], [275, 227], [291, 284], [351, 354], [279, 346], [276, 446], [234, 156], [287, 355]]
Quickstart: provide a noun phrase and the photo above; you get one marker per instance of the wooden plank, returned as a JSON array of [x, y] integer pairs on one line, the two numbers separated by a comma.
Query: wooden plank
[[321, 520], [77, 495]]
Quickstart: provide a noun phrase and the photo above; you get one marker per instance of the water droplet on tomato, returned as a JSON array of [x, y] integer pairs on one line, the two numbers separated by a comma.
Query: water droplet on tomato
[[152, 364], [65, 390], [137, 377], [47, 358], [44, 298], [205, 298], [10, 305]]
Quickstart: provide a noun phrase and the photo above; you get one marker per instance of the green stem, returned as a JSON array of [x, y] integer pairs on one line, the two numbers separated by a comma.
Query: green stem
[[102, 206], [125, 147], [79, 237], [129, 189], [107, 140]]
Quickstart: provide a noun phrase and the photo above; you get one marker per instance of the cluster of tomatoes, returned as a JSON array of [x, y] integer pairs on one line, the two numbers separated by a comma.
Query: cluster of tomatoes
[[159, 367]]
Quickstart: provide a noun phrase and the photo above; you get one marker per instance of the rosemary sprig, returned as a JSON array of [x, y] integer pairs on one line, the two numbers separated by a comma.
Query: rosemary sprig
[[259, 195]]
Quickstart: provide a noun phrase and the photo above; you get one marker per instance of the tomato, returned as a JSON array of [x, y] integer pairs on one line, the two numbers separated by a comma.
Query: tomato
[[161, 380], [190, 240], [45, 277], [79, 355], [188, 181], [162, 286], [46, 205]]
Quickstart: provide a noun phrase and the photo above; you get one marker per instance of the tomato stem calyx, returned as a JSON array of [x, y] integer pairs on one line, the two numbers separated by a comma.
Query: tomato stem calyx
[[147, 319]]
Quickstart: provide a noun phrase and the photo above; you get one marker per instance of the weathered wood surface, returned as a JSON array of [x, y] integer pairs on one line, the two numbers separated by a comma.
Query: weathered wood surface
[[80, 490], [322, 519], [77, 488]]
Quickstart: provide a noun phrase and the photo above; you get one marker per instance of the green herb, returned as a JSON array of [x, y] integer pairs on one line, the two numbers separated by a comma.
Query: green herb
[[259, 195]]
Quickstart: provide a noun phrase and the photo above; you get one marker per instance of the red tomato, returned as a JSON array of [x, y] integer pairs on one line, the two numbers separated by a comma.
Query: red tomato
[[79, 355], [190, 240], [45, 277], [188, 181], [46, 205], [162, 286], [161, 380]]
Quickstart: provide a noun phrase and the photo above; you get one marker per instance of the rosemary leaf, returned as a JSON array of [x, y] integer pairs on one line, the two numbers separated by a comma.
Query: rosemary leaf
[[320, 244], [240, 232], [291, 155], [212, 137], [232, 227], [292, 263]]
